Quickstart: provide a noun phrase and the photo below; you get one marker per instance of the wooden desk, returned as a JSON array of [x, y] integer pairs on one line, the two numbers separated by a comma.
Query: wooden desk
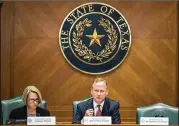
[[124, 123], [87, 125], [70, 124]]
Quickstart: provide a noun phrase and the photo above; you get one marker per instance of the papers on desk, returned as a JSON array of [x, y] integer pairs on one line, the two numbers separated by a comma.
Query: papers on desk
[[97, 120], [41, 120]]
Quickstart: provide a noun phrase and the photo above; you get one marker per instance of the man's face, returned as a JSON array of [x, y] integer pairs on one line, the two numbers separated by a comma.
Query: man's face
[[99, 91]]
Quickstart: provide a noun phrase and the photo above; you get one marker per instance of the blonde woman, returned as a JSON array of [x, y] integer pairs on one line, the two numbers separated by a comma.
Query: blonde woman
[[31, 98]]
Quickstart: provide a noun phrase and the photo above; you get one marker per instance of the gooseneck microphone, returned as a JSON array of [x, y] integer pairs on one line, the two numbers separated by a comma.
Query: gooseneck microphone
[[38, 114]]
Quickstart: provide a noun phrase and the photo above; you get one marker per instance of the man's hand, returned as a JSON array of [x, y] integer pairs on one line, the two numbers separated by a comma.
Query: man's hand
[[89, 112]]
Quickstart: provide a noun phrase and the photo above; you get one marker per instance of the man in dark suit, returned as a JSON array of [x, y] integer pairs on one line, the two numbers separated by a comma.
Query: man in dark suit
[[98, 105]]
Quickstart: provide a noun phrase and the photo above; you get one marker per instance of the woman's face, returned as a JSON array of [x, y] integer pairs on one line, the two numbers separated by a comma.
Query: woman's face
[[32, 100]]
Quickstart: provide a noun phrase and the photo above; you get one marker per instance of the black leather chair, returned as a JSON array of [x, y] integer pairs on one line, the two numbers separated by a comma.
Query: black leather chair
[[158, 110], [9, 105]]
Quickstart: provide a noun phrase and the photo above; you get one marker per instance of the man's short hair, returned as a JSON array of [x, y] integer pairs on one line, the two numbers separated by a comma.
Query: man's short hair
[[100, 80], [29, 89]]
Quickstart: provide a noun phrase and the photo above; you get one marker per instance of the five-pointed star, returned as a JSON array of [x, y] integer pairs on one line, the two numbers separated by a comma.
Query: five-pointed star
[[95, 38]]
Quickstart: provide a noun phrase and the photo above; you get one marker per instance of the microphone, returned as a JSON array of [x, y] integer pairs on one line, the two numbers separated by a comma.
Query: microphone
[[38, 114], [9, 122]]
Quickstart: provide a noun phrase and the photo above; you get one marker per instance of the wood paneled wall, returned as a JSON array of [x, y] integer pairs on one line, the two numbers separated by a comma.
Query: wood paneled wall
[[30, 55]]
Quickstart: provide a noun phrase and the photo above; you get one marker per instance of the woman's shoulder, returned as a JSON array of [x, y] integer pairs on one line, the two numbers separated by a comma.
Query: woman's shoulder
[[19, 109], [17, 113], [43, 111]]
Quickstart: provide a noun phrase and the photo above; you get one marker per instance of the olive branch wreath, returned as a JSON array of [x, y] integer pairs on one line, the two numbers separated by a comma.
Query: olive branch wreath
[[86, 52]]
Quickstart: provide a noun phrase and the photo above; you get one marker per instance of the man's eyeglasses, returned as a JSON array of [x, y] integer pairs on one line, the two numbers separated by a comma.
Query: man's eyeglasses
[[33, 100]]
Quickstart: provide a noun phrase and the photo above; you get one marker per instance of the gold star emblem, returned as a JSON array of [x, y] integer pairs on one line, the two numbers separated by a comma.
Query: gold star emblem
[[95, 38]]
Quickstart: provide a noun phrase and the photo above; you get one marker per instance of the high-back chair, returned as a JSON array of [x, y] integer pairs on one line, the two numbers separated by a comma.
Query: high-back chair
[[77, 102], [9, 105], [158, 110]]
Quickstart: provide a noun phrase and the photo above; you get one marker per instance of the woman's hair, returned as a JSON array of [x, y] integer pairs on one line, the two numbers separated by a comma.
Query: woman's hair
[[29, 89]]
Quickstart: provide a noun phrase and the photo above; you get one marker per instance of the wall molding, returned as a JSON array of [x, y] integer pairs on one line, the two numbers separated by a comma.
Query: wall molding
[[7, 40]]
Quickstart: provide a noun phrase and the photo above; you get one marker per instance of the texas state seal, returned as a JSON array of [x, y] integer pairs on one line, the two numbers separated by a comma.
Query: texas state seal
[[95, 38]]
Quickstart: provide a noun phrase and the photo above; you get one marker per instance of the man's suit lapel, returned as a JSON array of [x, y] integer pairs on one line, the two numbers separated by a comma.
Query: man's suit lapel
[[105, 110], [89, 105]]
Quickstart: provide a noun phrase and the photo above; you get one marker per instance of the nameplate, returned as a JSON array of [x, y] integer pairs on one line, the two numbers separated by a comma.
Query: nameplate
[[97, 120], [154, 121], [43, 120]]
